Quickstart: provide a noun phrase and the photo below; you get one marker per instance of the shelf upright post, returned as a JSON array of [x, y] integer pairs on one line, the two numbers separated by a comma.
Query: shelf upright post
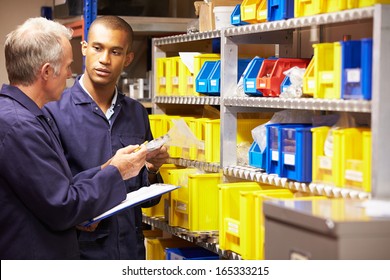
[[90, 13], [380, 103], [229, 62]]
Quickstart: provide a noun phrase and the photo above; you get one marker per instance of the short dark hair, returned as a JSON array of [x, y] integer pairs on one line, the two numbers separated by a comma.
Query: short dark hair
[[115, 23]]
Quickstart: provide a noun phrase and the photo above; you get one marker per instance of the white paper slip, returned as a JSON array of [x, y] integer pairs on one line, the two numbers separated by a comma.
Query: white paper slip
[[134, 198]]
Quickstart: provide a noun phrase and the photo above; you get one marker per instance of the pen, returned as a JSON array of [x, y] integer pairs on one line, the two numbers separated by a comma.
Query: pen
[[144, 143]]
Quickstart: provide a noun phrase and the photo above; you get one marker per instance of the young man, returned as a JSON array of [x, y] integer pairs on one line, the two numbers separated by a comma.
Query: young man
[[95, 120], [41, 202]]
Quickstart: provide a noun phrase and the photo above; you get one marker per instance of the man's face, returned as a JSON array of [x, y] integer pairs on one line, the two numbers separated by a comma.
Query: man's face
[[105, 55]]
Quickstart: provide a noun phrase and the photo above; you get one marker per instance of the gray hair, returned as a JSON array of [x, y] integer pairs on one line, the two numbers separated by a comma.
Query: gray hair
[[36, 42]]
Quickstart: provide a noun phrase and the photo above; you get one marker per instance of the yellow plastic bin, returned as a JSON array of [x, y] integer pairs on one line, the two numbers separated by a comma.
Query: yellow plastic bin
[[236, 215], [164, 74], [308, 79], [194, 206], [307, 8], [334, 5], [358, 163], [213, 137], [158, 125], [159, 209], [364, 3], [155, 247], [327, 70], [254, 11]]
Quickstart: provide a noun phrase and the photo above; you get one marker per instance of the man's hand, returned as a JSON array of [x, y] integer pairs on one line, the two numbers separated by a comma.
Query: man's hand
[[157, 158], [129, 160]]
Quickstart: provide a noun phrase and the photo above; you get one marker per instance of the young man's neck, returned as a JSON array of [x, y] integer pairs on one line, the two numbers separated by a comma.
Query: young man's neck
[[102, 95]]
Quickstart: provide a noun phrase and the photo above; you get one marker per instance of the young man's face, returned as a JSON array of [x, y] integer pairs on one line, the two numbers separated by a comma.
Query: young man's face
[[105, 55]]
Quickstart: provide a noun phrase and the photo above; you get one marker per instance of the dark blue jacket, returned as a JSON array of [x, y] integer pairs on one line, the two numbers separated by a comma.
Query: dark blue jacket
[[89, 140], [40, 200]]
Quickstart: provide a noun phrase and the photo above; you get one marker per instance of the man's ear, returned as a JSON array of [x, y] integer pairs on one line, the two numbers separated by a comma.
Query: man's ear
[[84, 46], [46, 71], [129, 58]]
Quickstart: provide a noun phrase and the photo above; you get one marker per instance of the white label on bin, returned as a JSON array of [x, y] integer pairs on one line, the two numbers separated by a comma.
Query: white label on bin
[[354, 175], [248, 10], [236, 18], [353, 75], [311, 84], [232, 227], [162, 81], [263, 13], [289, 159], [327, 76], [250, 84], [190, 80], [262, 85], [181, 206], [213, 82], [275, 155], [201, 83], [175, 80], [325, 163]]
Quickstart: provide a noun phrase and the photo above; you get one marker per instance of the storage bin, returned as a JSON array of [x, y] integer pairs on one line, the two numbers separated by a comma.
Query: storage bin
[[280, 9], [235, 18], [213, 136], [364, 3], [158, 125], [274, 163], [199, 60], [160, 210], [271, 74], [252, 222], [296, 157], [250, 76], [331, 170], [330, 6], [256, 157], [202, 79], [190, 253], [254, 11], [285, 84], [327, 70], [356, 69], [155, 247], [194, 206], [181, 77], [236, 213], [307, 8], [358, 164], [163, 79], [309, 86]]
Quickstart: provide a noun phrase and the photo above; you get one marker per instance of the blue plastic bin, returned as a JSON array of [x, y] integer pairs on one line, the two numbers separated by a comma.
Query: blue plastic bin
[[274, 147], [235, 17], [201, 81], [356, 69], [214, 80], [251, 75], [296, 157], [285, 84], [280, 9], [190, 253], [256, 157]]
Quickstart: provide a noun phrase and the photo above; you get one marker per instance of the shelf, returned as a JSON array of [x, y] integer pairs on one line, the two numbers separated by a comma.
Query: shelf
[[308, 21], [191, 100], [257, 175], [207, 240], [205, 166], [187, 38], [361, 106]]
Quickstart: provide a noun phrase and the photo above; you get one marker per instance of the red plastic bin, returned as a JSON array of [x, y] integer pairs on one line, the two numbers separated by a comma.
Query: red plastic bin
[[271, 74]]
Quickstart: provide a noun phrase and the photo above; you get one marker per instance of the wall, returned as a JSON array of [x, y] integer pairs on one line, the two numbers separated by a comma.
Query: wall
[[13, 13]]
